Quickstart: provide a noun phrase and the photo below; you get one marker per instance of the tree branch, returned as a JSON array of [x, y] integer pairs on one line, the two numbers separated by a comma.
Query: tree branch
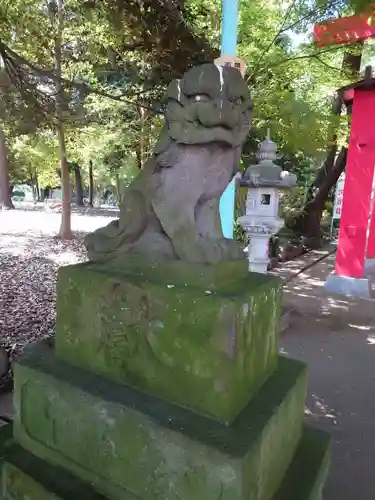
[[7, 53], [288, 11], [306, 56], [102, 93], [308, 16], [340, 70], [284, 29], [13, 62]]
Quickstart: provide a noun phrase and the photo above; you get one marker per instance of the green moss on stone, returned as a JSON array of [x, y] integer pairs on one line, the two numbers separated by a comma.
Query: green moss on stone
[[204, 337], [307, 474], [120, 439], [18, 486], [24, 476]]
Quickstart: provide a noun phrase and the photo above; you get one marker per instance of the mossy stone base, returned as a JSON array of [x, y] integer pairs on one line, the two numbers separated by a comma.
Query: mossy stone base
[[24, 476], [204, 337], [308, 472], [117, 438]]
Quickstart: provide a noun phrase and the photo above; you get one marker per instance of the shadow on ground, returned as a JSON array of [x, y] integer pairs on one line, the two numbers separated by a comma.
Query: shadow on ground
[[102, 211], [306, 294], [335, 336]]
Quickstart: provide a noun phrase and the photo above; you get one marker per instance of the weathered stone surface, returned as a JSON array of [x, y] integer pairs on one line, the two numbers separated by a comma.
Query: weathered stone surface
[[23, 476], [307, 473], [26, 476], [207, 346], [171, 209], [18, 486], [115, 437], [4, 362]]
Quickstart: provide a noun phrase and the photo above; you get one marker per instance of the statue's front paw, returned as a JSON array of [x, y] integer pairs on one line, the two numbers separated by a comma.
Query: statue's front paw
[[222, 249], [232, 250], [103, 240]]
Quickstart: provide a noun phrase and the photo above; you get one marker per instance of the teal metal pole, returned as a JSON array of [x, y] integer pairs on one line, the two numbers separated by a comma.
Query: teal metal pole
[[229, 29], [229, 26]]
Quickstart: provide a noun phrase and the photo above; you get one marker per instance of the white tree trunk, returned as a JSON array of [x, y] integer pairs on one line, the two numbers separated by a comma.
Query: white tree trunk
[[65, 227], [5, 198]]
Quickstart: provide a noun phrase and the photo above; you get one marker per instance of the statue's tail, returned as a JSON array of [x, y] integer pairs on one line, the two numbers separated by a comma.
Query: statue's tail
[[103, 243]]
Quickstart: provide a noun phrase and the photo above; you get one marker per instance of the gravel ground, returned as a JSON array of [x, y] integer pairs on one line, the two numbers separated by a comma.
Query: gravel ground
[[30, 256]]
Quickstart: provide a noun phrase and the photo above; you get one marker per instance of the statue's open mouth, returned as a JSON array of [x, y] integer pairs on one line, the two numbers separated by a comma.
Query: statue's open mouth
[[196, 133], [208, 106]]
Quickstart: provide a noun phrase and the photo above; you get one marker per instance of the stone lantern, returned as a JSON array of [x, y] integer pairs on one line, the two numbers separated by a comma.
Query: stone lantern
[[264, 181]]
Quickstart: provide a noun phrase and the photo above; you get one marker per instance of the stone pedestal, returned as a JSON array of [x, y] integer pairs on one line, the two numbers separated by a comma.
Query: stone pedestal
[[4, 362], [370, 266], [164, 383], [351, 287]]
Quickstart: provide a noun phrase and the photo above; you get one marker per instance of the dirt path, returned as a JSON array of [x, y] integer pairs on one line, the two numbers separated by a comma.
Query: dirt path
[[30, 256], [335, 336]]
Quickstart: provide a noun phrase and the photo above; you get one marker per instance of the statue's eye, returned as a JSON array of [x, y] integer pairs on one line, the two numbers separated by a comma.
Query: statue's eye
[[201, 97]]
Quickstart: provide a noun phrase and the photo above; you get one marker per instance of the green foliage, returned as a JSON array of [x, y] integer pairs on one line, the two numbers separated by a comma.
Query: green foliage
[[114, 48], [292, 202], [35, 154]]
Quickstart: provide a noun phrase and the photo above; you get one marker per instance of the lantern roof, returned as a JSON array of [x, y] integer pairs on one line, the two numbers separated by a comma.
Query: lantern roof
[[266, 173]]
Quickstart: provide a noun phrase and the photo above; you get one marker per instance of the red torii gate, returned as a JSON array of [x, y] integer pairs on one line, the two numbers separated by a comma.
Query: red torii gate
[[349, 29], [356, 244]]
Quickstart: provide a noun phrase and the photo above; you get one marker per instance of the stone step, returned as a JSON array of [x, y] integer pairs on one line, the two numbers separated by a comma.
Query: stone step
[[23, 475], [117, 438], [307, 473]]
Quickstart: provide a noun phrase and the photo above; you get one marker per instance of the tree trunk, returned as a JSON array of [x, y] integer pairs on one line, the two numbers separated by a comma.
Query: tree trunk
[[5, 191], [313, 211], [91, 185], [118, 188], [79, 186], [309, 222], [36, 184], [144, 131], [332, 145], [138, 154], [65, 227], [142, 138], [65, 231]]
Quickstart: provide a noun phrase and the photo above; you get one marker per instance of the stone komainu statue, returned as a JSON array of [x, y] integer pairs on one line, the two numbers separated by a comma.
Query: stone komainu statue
[[171, 209]]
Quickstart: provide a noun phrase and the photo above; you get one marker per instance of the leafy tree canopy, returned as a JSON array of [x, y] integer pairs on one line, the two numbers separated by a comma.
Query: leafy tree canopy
[[118, 56]]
